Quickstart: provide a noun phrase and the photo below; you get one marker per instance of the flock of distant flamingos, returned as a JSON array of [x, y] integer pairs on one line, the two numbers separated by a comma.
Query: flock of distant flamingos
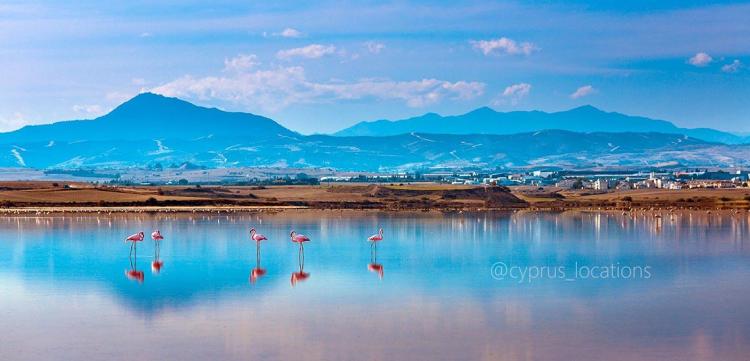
[[256, 272]]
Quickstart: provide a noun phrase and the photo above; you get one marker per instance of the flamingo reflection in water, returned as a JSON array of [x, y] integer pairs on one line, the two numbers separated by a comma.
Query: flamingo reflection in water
[[157, 264], [374, 266], [301, 275], [257, 272], [133, 273]]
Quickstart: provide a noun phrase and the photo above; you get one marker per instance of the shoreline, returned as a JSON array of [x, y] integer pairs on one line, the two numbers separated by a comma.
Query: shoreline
[[47, 197], [47, 210]]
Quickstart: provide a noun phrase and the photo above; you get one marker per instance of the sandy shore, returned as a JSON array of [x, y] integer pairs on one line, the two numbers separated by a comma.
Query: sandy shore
[[53, 197]]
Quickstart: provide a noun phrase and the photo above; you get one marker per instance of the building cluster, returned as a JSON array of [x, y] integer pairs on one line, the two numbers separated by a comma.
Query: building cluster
[[568, 179], [657, 180]]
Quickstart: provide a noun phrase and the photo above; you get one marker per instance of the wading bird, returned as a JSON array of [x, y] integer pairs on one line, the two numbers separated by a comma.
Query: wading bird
[[376, 237], [257, 237], [301, 275], [258, 271], [133, 273], [133, 238], [299, 238], [374, 266], [157, 263]]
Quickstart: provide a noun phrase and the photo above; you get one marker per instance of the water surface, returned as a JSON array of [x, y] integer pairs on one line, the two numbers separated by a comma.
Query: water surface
[[433, 290]]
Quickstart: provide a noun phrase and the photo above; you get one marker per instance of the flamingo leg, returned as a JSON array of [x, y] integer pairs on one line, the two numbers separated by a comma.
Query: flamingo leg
[[301, 257], [130, 257]]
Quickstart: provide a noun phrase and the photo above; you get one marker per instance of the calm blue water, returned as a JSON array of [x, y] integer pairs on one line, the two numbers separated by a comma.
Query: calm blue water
[[433, 290]]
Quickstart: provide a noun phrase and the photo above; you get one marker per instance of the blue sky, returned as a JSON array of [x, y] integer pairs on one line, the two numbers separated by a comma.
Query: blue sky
[[319, 67]]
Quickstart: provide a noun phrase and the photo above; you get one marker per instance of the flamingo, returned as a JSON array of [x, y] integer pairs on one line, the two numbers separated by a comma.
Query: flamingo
[[301, 275], [157, 263], [374, 266], [376, 237], [257, 237], [257, 272], [134, 273], [299, 238], [133, 238]]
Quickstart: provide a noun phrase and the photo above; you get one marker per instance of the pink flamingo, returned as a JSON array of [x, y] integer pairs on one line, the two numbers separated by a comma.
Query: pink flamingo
[[257, 237], [257, 272], [133, 238], [301, 275], [299, 238], [374, 266], [134, 273], [376, 237], [157, 263]]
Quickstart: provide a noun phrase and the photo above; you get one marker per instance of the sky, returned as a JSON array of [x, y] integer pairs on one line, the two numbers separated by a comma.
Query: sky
[[318, 67]]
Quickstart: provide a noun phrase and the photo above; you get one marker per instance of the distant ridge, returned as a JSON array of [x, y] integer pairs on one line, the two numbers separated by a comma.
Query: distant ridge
[[151, 116], [152, 132], [488, 121]]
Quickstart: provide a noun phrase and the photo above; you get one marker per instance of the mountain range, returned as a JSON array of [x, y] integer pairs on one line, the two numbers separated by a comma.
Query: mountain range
[[152, 129], [488, 121]]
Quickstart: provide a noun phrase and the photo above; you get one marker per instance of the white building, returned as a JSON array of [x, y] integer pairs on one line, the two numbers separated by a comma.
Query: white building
[[601, 184]]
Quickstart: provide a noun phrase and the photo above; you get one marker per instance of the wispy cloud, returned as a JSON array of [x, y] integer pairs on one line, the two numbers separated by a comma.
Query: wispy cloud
[[311, 51], [241, 62], [513, 94], [275, 88], [583, 91], [732, 67], [504, 46], [291, 33], [700, 59]]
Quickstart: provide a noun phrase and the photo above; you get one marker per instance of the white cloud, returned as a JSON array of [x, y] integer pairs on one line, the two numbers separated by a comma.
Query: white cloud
[[138, 81], [92, 109], [274, 88], [146, 34], [311, 51], [583, 91], [504, 45], [241, 62], [374, 47], [700, 59], [291, 33], [513, 94], [732, 67]]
